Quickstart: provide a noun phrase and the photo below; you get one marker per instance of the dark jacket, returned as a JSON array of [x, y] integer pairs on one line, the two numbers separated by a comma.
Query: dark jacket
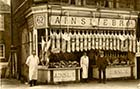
[[101, 63]]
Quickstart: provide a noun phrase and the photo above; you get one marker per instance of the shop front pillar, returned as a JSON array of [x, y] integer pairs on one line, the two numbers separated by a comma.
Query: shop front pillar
[[35, 43]]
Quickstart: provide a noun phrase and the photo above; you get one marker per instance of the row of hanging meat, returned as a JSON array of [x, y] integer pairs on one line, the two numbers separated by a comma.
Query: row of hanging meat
[[77, 41]]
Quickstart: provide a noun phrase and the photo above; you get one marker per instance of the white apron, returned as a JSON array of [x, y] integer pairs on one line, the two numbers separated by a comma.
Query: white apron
[[84, 62], [33, 62]]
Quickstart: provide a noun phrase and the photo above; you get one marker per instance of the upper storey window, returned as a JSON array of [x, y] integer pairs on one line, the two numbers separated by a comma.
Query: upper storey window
[[58, 1], [125, 4], [91, 2], [97, 3]]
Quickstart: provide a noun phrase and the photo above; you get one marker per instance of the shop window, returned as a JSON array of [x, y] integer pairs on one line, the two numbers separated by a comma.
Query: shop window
[[2, 50], [41, 33]]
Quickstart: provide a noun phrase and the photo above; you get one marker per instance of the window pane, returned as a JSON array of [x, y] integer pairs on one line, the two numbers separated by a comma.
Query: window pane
[[91, 2], [1, 50], [58, 1], [65, 1], [126, 3], [73, 2]]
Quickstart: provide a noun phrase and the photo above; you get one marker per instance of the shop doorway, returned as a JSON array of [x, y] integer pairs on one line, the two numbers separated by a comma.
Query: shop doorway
[[138, 67]]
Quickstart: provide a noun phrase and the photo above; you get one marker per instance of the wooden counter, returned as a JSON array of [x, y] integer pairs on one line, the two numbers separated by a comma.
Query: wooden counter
[[117, 71], [53, 75]]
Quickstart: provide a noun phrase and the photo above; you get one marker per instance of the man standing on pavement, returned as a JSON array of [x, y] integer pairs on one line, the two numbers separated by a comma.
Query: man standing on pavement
[[102, 64], [32, 62], [84, 63]]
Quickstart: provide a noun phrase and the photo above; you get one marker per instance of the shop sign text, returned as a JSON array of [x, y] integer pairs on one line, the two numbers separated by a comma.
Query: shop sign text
[[86, 21], [119, 72], [64, 75]]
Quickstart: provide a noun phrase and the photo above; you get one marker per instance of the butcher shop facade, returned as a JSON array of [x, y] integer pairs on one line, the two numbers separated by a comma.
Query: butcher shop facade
[[63, 33]]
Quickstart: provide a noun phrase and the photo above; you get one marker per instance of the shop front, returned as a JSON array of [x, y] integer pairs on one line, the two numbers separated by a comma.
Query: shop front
[[60, 35]]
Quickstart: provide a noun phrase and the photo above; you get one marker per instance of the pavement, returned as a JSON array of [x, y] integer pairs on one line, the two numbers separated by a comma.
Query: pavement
[[110, 84]]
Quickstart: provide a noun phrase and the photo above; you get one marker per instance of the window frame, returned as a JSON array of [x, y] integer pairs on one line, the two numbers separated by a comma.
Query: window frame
[[3, 45]]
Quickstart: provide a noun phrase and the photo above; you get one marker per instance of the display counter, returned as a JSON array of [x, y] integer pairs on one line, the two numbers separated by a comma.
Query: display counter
[[54, 75], [117, 71]]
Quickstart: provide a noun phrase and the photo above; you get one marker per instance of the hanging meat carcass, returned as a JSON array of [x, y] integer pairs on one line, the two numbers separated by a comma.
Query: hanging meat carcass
[[77, 41], [134, 43], [53, 39], [107, 41], [118, 41], [104, 40], [115, 41], [130, 42], [97, 40], [82, 41], [111, 41], [73, 41], [127, 42], [100, 40], [58, 44], [122, 41], [69, 43], [93, 40], [85, 41], [63, 41], [89, 40]]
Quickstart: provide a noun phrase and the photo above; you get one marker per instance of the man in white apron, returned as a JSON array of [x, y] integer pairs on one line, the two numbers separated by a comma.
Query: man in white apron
[[32, 62], [84, 63]]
